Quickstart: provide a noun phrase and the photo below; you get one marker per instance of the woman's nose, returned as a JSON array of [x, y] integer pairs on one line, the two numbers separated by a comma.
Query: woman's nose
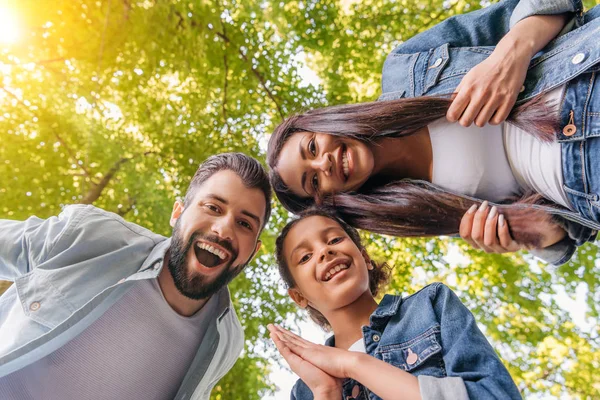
[[324, 164]]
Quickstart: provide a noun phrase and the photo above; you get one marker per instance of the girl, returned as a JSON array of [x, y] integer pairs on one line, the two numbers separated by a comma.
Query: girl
[[425, 346], [540, 167]]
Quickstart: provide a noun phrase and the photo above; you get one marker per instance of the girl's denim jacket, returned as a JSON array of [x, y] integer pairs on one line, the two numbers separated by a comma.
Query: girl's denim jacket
[[435, 61], [432, 335]]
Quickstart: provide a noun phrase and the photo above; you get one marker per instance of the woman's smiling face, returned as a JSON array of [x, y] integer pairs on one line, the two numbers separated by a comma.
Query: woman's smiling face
[[311, 163], [329, 270]]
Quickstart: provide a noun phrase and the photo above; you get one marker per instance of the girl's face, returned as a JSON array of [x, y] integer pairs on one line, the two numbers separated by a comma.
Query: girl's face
[[311, 162], [330, 271]]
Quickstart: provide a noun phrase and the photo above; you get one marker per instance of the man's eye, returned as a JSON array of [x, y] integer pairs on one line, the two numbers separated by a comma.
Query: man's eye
[[246, 225], [311, 147], [315, 182], [305, 258], [336, 240]]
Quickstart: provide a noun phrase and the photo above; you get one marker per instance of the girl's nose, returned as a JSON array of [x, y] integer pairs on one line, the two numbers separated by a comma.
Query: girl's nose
[[324, 164]]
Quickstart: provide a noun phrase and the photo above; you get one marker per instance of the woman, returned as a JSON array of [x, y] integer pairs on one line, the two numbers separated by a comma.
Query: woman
[[425, 346], [357, 157]]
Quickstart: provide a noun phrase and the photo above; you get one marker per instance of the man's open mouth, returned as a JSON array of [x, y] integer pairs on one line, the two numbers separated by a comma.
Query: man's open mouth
[[208, 255]]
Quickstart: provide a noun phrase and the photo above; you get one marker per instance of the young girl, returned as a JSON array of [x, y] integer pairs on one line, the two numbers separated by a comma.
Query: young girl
[[397, 167], [425, 346]]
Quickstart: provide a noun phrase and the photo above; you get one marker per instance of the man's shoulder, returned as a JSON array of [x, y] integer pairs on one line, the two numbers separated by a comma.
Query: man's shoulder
[[90, 220]]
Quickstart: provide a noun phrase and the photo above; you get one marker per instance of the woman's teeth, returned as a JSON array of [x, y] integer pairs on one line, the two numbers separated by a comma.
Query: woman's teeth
[[335, 270], [219, 253], [345, 163]]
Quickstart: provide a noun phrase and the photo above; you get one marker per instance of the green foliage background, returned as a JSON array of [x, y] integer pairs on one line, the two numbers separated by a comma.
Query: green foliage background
[[116, 102]]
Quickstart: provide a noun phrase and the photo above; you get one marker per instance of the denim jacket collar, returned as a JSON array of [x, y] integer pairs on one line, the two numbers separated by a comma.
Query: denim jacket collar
[[387, 308]]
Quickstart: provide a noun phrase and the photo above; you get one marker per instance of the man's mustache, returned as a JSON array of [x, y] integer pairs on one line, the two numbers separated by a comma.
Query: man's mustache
[[226, 244]]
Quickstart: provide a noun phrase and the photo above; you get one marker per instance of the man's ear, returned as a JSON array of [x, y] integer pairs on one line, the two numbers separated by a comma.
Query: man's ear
[[176, 213], [298, 297], [258, 246]]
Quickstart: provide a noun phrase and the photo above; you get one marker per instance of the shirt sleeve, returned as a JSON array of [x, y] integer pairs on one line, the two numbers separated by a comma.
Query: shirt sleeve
[[467, 353], [25, 244], [527, 8]]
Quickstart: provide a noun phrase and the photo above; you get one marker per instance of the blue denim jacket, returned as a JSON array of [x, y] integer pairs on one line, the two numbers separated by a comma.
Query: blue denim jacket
[[435, 61], [453, 361], [68, 270]]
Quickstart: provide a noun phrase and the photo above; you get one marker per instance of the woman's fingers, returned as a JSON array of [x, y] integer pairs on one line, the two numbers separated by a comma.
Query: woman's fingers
[[466, 225], [503, 111], [506, 240], [472, 111], [459, 104], [486, 112], [478, 230]]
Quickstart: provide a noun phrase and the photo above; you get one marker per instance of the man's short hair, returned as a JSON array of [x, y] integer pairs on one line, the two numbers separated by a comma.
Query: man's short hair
[[250, 171]]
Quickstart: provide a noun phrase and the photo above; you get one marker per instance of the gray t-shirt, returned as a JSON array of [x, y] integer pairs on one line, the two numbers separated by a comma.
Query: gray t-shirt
[[139, 349]]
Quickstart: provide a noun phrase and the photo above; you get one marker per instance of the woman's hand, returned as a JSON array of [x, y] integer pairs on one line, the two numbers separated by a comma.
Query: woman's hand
[[489, 91], [322, 384], [486, 229], [333, 361]]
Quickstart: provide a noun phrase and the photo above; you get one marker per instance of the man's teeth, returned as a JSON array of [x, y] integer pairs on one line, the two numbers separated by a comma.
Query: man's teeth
[[220, 253], [335, 270], [345, 163]]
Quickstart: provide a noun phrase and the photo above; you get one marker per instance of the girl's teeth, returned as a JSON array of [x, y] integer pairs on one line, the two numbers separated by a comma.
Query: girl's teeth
[[345, 164]]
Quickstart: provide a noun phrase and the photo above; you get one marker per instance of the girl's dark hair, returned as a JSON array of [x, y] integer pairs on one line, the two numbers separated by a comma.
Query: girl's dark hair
[[378, 276], [406, 207]]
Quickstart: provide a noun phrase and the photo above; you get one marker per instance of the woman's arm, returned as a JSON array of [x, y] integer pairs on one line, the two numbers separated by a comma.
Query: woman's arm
[[489, 91]]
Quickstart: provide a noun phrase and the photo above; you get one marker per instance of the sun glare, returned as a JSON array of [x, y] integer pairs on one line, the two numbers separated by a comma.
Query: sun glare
[[9, 28]]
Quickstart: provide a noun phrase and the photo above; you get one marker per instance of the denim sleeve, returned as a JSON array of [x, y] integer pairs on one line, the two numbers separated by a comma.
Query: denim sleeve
[[467, 353], [527, 8], [24, 244], [484, 27]]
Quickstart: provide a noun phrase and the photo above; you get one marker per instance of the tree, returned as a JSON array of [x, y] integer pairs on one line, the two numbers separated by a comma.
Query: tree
[[115, 103]]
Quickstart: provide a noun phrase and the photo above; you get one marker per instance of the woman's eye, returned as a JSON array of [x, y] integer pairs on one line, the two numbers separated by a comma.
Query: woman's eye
[[315, 182], [336, 240], [311, 147], [212, 207]]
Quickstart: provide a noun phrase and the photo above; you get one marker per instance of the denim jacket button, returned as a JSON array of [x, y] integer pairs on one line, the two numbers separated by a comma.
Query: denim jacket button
[[412, 357], [437, 63], [35, 306], [579, 57], [376, 338]]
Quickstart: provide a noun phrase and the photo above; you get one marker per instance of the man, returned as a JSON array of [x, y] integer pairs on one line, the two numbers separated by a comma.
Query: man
[[102, 308]]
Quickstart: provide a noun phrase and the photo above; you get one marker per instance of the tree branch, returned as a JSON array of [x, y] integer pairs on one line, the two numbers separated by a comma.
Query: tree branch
[[256, 73]]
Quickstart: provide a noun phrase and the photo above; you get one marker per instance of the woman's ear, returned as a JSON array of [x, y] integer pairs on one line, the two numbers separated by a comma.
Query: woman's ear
[[367, 259], [298, 297]]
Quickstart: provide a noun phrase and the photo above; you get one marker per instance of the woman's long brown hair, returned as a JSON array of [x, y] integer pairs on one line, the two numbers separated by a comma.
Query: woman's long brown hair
[[404, 207]]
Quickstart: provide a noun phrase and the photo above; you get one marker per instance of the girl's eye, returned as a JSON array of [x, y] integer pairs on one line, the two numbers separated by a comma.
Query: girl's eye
[[304, 258], [315, 182], [336, 240], [311, 147]]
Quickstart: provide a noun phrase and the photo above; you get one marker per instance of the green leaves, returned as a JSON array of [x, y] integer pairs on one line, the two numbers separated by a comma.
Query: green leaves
[[116, 103]]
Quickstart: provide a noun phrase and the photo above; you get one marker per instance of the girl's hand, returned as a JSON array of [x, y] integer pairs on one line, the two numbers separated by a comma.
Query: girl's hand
[[333, 361], [322, 384], [489, 90], [485, 229]]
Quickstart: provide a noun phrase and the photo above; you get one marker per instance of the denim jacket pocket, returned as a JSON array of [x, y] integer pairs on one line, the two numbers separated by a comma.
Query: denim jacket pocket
[[421, 355]]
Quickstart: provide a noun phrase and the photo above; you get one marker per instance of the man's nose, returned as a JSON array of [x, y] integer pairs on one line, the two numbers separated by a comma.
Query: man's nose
[[223, 227]]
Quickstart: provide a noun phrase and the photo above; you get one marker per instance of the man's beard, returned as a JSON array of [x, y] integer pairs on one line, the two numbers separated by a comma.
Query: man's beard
[[192, 284]]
